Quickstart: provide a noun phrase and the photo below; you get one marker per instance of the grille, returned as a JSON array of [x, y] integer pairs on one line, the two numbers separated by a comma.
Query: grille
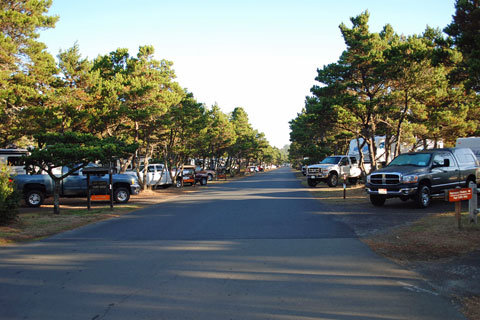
[[389, 179], [313, 170]]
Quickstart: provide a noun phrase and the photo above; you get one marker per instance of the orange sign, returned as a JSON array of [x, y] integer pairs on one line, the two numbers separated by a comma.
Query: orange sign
[[455, 195], [100, 197]]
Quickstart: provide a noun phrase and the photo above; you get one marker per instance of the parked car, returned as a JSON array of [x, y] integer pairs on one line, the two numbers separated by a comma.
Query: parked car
[[37, 187], [190, 177], [304, 170], [331, 168], [210, 173], [252, 169], [421, 175]]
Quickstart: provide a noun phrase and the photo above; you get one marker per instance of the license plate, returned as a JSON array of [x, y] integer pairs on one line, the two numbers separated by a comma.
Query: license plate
[[312, 177], [382, 191]]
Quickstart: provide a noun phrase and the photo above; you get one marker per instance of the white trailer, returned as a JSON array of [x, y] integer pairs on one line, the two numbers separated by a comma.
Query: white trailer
[[470, 142], [12, 158]]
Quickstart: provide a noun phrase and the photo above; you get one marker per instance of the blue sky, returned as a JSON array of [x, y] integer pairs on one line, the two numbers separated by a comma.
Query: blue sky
[[259, 55]]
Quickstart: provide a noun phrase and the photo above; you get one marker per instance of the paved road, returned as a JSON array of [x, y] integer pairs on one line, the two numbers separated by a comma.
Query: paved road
[[257, 248]]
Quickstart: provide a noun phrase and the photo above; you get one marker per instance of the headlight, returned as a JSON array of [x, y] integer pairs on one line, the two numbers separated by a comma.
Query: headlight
[[410, 179], [133, 181], [368, 179]]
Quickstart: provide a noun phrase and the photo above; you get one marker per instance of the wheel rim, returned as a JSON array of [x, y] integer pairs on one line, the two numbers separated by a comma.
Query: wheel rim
[[122, 196], [425, 197], [179, 184], [334, 180], [34, 199]]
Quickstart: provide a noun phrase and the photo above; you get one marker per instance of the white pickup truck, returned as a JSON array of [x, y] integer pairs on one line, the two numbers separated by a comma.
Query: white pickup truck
[[331, 168], [156, 175]]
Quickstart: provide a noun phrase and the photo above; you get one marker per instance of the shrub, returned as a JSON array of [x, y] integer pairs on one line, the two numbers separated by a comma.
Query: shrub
[[9, 197]]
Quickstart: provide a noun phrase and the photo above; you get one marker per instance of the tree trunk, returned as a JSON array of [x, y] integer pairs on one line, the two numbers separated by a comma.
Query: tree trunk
[[57, 184]]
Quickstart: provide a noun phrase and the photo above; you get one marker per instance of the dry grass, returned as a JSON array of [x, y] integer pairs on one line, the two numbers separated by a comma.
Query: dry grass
[[430, 238], [35, 225]]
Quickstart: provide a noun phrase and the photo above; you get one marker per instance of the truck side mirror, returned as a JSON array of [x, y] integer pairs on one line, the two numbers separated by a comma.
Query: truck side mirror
[[446, 162]]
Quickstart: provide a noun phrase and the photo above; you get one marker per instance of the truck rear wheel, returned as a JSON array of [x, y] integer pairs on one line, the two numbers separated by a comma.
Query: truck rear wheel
[[332, 180], [312, 183], [203, 181], [377, 200], [34, 198]]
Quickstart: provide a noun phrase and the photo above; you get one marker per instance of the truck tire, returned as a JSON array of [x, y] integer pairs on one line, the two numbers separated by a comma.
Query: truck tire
[[377, 200], [332, 180], [312, 183], [178, 184], [34, 198], [210, 177], [423, 197], [121, 195], [203, 181]]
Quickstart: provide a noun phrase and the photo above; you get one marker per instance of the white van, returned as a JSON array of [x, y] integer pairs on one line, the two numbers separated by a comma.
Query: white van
[[470, 142], [12, 158]]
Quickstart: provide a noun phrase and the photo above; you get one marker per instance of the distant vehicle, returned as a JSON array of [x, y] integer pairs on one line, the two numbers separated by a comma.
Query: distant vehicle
[[470, 142], [37, 187], [421, 175], [191, 177], [331, 168], [210, 173], [252, 169], [304, 170], [12, 158]]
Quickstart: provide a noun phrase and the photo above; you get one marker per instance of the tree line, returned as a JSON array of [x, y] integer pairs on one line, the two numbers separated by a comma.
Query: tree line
[[132, 98], [410, 89]]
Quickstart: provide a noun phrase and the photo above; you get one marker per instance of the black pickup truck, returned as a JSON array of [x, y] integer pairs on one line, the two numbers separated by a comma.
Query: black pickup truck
[[421, 175]]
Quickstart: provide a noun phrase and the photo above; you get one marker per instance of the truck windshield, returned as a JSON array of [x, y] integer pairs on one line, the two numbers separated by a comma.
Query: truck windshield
[[418, 160], [331, 160]]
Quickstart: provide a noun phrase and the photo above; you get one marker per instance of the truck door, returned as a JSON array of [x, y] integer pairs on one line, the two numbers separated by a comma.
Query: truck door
[[74, 184], [446, 173], [344, 166], [151, 174]]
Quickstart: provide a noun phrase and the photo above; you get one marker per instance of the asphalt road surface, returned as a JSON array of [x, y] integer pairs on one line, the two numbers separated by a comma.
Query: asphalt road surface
[[256, 248]]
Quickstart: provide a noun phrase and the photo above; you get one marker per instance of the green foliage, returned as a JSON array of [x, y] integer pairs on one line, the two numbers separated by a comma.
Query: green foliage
[[25, 66], [465, 31], [385, 84], [9, 197], [73, 108], [74, 150]]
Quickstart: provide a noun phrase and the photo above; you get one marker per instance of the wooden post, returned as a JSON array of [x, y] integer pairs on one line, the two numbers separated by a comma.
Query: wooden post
[[89, 193], [458, 214], [110, 185]]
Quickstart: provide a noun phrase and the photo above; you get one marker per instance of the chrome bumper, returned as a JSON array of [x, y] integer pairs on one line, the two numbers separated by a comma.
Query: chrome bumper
[[135, 189], [400, 192]]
